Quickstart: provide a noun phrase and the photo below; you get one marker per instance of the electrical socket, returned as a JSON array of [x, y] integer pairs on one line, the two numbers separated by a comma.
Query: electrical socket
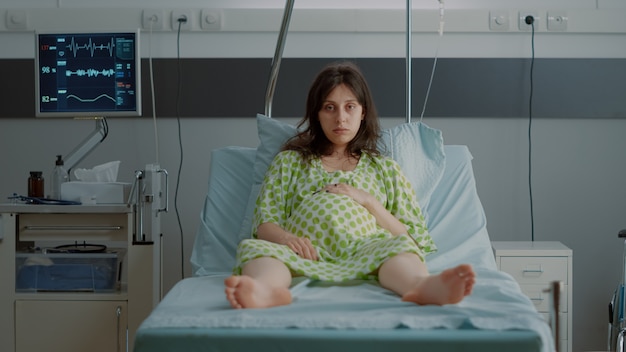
[[152, 19], [523, 26], [184, 26], [211, 20], [17, 19], [557, 21], [499, 20]]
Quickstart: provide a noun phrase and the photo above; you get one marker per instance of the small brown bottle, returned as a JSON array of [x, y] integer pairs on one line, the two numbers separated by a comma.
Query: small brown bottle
[[35, 184]]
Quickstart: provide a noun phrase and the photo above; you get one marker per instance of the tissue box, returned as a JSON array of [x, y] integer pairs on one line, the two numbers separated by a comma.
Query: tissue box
[[96, 192]]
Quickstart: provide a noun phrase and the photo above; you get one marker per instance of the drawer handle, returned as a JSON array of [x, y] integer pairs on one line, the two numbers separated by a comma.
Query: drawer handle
[[533, 270], [118, 314], [72, 228]]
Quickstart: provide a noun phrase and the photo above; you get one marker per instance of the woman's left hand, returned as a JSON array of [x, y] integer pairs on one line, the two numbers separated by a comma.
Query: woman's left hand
[[358, 195], [383, 217]]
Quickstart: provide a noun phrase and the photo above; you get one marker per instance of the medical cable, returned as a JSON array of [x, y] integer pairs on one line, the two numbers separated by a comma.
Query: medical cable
[[409, 59], [156, 131], [530, 20], [432, 72], [180, 144], [105, 129]]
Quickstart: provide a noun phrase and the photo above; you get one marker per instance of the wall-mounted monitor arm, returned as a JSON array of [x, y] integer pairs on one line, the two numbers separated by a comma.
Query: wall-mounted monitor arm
[[87, 145]]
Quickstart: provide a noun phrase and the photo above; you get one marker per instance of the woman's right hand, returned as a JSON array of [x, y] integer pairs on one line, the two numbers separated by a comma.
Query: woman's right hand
[[302, 246]]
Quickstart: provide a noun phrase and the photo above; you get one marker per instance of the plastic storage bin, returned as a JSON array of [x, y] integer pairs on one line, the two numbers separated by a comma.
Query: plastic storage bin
[[68, 272]]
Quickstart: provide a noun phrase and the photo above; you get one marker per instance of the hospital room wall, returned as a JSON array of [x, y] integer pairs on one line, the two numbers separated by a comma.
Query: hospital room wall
[[578, 163]]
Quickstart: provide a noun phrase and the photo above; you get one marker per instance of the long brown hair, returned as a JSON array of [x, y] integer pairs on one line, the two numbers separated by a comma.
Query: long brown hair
[[311, 142]]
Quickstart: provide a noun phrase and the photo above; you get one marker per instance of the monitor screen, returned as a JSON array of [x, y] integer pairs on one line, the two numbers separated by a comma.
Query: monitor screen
[[87, 74]]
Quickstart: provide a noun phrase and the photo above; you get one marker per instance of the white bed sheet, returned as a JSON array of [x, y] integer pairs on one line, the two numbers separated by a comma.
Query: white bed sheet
[[495, 304]]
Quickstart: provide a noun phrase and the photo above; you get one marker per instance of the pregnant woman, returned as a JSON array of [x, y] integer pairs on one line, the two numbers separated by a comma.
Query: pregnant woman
[[332, 208]]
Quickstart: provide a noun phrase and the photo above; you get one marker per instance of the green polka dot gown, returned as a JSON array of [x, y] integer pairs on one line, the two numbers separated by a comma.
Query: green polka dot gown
[[349, 243]]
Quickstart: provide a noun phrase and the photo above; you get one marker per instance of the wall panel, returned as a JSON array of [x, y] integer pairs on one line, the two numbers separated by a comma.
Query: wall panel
[[472, 87]]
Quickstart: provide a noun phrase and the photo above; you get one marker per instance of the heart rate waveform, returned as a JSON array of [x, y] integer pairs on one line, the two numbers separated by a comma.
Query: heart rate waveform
[[84, 100], [74, 47], [90, 72]]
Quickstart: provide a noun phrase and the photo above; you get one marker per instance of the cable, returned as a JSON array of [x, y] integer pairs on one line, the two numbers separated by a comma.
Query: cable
[[156, 131], [430, 82], [432, 72], [409, 59], [105, 129], [531, 21], [180, 144]]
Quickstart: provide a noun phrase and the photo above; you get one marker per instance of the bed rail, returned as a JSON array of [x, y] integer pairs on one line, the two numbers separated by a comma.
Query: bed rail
[[555, 289]]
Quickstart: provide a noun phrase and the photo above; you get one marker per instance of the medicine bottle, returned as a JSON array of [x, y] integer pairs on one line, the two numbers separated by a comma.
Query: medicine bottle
[[59, 176], [35, 184]]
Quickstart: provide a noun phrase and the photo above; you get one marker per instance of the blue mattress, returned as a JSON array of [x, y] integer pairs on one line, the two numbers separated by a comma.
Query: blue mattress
[[359, 315]]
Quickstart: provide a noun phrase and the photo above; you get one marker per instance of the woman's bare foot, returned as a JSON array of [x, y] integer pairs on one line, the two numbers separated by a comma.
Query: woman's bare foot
[[246, 292], [448, 287]]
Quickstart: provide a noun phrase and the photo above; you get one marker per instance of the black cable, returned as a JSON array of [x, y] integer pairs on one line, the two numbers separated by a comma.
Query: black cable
[[530, 123], [180, 165], [105, 125]]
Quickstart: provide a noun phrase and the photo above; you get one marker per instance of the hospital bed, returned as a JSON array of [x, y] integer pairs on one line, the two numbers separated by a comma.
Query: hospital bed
[[356, 315]]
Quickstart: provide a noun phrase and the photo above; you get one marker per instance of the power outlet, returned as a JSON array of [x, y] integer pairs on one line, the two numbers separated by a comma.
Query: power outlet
[[17, 20], [557, 21], [523, 26], [499, 20], [185, 25], [152, 19], [211, 20]]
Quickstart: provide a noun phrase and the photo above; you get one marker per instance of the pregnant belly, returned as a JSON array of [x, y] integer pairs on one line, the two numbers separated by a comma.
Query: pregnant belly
[[331, 221]]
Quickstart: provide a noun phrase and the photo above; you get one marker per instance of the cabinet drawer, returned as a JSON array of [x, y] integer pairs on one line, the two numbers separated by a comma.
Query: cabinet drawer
[[535, 270], [541, 299], [104, 227], [70, 326]]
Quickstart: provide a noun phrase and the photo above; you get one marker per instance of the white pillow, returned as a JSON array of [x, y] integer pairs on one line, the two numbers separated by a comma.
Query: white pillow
[[419, 151], [272, 135], [415, 146]]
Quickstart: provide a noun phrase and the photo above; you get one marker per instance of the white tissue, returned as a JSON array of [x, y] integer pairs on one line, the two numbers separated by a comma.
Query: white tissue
[[106, 172]]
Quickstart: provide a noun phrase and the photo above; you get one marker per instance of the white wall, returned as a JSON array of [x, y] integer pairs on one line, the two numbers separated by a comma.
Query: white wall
[[578, 164]]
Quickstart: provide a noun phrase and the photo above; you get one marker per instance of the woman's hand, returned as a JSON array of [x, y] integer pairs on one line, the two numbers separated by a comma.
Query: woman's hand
[[383, 217], [300, 245], [358, 195]]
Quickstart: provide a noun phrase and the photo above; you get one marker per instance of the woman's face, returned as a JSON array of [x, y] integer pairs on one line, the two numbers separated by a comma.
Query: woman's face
[[341, 116]]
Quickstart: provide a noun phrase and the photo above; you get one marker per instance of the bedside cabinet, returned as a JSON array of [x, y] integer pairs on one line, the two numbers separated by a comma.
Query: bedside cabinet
[[534, 265], [67, 300]]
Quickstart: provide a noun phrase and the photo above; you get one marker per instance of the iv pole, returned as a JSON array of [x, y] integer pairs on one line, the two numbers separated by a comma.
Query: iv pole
[[280, 46]]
